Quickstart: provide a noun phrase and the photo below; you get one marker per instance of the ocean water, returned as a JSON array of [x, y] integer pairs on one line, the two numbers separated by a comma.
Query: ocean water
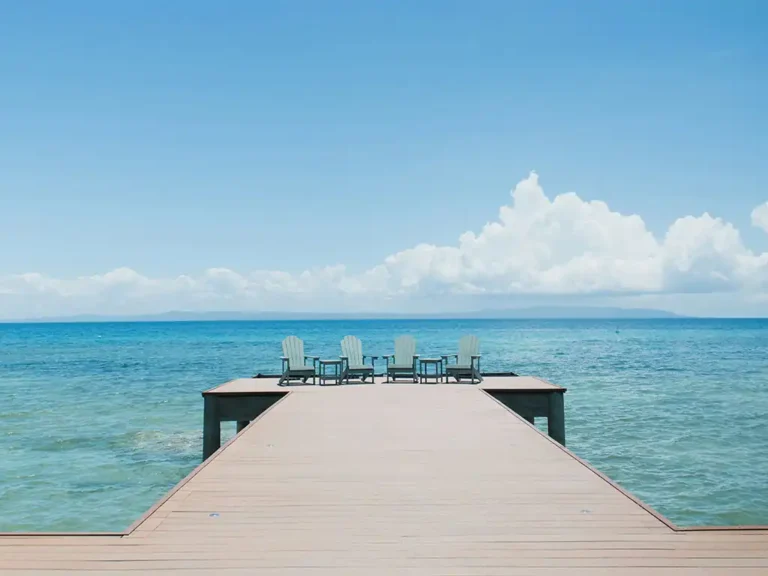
[[98, 421]]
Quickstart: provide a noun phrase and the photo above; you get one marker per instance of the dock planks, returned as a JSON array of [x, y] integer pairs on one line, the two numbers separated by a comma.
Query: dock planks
[[382, 479]]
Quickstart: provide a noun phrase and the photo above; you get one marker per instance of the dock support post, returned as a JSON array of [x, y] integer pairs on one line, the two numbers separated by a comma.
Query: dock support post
[[556, 417], [211, 427], [241, 424]]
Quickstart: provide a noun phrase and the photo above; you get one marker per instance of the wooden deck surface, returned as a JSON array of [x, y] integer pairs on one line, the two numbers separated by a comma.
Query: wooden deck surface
[[249, 385], [400, 479]]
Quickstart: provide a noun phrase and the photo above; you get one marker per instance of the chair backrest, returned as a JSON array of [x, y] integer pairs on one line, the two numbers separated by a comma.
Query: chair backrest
[[405, 350], [293, 349], [352, 348], [468, 346]]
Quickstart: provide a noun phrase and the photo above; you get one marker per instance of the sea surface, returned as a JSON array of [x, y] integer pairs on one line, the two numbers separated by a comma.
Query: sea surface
[[98, 421]]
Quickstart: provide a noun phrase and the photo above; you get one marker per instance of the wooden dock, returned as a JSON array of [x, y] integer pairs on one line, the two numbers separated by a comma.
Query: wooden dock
[[394, 479], [244, 399]]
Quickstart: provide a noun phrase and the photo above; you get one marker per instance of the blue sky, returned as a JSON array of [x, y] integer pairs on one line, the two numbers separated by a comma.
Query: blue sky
[[163, 140]]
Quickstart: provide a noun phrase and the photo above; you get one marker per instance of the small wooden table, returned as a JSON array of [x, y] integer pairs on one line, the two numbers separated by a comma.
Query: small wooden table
[[425, 363], [325, 376]]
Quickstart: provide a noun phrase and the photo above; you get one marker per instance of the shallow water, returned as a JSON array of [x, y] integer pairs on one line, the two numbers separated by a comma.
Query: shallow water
[[98, 421]]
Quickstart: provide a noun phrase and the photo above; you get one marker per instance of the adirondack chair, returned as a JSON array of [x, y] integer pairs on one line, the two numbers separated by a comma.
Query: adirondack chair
[[467, 361], [295, 365], [403, 361], [353, 360]]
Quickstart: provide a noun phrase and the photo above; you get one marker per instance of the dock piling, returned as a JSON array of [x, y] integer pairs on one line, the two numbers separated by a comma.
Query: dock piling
[[556, 418], [211, 426]]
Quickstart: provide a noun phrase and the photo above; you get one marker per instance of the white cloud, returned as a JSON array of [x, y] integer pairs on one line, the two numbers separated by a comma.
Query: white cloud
[[536, 246], [760, 216], [571, 246]]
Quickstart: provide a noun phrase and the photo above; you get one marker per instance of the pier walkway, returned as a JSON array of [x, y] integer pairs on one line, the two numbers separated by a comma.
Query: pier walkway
[[395, 479]]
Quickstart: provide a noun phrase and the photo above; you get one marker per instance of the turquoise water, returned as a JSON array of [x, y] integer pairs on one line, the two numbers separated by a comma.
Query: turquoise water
[[97, 421]]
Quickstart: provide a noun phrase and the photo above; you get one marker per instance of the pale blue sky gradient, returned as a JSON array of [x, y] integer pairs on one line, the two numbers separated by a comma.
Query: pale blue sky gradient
[[171, 137]]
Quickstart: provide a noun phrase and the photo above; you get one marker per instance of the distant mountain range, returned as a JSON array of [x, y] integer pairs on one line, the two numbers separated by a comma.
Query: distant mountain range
[[538, 312]]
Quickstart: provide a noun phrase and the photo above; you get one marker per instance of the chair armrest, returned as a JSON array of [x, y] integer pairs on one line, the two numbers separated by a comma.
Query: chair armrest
[[372, 357], [343, 358], [388, 356], [475, 356], [284, 358], [313, 357]]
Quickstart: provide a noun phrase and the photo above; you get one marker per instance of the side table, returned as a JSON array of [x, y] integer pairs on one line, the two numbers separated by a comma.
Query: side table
[[328, 375], [424, 373]]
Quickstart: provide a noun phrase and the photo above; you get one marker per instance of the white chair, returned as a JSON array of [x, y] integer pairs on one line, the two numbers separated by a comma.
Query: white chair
[[404, 360], [353, 360], [467, 361], [295, 365]]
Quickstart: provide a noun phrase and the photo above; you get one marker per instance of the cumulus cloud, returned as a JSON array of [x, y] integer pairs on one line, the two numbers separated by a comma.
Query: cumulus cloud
[[760, 216], [571, 246], [536, 246]]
